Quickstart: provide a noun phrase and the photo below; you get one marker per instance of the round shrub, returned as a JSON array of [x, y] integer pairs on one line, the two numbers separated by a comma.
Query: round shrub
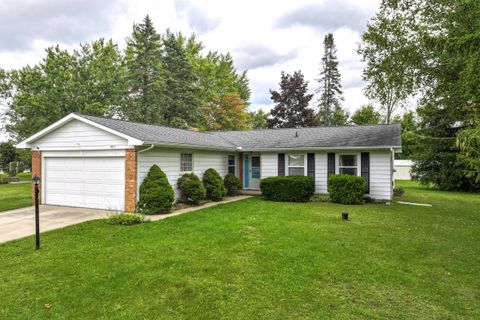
[[156, 193], [191, 188], [291, 188], [232, 183], [346, 189], [213, 184]]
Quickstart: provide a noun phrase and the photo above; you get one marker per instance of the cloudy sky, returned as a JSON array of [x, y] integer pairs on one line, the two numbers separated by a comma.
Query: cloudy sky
[[264, 37]]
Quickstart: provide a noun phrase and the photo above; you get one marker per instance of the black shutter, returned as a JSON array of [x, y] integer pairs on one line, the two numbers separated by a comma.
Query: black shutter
[[281, 164], [331, 164], [365, 169], [311, 165]]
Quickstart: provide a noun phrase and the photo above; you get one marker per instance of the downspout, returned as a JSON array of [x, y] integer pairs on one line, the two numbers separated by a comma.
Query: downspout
[[146, 149], [392, 168]]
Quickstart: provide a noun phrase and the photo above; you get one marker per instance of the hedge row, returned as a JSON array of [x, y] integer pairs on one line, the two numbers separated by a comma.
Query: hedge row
[[157, 196], [289, 188]]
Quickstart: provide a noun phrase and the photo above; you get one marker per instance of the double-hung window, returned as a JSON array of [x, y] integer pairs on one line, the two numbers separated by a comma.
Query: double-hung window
[[231, 164], [347, 164], [186, 162], [296, 165]]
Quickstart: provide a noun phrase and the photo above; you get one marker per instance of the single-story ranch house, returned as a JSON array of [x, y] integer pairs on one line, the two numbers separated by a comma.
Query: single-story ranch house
[[95, 162]]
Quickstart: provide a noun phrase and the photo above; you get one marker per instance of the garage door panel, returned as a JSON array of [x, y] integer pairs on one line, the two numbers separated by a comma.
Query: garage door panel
[[85, 182]]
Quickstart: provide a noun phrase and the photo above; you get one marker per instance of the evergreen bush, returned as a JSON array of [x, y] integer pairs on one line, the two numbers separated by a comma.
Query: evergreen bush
[[232, 183], [156, 193], [213, 183], [191, 188]]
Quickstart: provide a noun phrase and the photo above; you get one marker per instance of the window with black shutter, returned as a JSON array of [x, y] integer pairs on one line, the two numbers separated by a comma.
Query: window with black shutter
[[311, 165], [365, 169], [281, 164], [331, 164]]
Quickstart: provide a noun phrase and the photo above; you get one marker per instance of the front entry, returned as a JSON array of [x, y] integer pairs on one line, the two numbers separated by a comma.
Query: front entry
[[251, 172]]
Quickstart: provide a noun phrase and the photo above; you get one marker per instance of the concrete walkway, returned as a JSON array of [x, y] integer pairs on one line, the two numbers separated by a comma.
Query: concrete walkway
[[20, 223], [190, 209]]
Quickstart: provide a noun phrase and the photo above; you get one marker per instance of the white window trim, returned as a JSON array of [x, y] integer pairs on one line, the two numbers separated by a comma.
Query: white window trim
[[180, 162], [359, 160], [287, 171]]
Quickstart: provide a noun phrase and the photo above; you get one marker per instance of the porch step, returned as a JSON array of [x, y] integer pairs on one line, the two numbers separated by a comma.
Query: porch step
[[249, 192]]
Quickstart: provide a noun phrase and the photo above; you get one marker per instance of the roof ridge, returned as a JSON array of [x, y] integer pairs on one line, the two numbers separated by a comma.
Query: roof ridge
[[138, 122], [248, 130]]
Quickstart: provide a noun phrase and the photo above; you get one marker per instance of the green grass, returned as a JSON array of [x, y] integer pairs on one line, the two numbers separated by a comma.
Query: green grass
[[24, 176], [256, 259], [16, 195]]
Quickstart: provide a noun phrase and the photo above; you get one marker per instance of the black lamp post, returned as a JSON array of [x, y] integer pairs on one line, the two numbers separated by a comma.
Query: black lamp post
[[36, 182]]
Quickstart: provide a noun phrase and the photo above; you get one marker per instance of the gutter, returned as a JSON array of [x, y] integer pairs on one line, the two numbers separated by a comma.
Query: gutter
[[146, 149]]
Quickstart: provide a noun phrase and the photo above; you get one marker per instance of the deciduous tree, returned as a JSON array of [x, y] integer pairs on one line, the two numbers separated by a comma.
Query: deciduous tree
[[258, 119], [225, 113], [88, 81], [366, 115], [291, 103], [429, 49]]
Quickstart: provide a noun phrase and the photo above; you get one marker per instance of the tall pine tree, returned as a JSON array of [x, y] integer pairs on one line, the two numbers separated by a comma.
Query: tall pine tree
[[330, 87], [291, 103], [145, 83], [181, 103]]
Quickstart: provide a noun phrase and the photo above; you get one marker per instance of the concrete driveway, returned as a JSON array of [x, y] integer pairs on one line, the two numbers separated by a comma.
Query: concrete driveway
[[20, 223]]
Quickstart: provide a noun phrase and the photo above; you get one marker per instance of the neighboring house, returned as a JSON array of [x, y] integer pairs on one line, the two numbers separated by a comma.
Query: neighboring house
[[402, 169], [95, 162]]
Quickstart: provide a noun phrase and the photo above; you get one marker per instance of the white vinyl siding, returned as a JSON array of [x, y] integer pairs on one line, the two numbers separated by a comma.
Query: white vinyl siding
[[168, 160], [269, 164], [380, 181], [77, 134], [90, 182], [321, 172], [380, 175]]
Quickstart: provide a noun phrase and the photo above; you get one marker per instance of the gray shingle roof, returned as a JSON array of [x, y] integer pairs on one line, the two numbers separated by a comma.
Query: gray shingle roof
[[161, 134], [250, 140]]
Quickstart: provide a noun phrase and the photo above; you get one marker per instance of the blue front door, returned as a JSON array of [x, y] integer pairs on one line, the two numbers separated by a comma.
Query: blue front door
[[246, 172]]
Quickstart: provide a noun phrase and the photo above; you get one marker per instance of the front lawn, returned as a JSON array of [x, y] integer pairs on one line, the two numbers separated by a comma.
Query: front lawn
[[256, 259], [15, 195]]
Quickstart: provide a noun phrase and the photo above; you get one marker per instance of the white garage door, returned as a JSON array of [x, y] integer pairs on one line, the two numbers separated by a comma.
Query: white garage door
[[85, 182]]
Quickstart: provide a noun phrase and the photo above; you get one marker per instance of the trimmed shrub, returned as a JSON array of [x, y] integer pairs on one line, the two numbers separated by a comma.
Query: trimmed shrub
[[126, 219], [213, 184], [291, 188], [191, 188], [346, 189], [398, 192], [231, 183], [156, 193]]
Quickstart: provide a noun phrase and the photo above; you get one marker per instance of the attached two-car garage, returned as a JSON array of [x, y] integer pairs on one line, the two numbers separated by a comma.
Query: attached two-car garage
[[92, 182], [82, 163]]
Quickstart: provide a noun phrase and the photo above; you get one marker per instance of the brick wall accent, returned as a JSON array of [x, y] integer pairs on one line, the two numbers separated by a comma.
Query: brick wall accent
[[37, 171], [130, 180]]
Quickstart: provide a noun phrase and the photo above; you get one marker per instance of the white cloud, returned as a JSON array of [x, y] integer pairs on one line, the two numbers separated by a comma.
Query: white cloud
[[264, 36]]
